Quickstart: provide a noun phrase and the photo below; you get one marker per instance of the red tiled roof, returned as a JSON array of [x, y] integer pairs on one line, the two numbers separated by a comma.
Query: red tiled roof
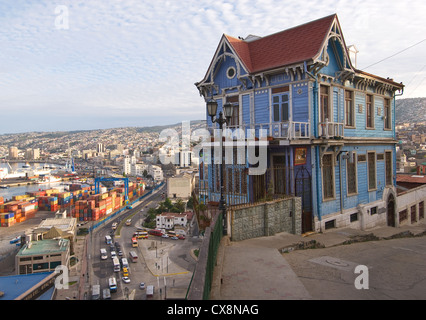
[[287, 47], [411, 179]]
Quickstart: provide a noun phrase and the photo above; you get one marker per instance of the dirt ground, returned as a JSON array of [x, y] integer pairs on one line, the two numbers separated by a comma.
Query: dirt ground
[[7, 250]]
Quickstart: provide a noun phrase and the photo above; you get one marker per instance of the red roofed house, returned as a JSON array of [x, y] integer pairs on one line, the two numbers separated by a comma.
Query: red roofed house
[[328, 126]]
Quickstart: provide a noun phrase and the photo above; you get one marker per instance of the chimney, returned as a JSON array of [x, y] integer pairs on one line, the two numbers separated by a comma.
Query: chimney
[[353, 52]]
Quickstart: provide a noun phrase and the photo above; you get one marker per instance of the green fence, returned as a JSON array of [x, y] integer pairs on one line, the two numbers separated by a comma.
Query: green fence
[[202, 278]]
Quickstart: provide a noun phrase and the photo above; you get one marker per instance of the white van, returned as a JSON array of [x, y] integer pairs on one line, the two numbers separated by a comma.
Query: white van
[[106, 294], [149, 291], [104, 254]]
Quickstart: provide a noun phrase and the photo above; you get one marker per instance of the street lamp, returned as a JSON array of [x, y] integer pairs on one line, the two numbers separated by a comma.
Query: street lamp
[[224, 117]]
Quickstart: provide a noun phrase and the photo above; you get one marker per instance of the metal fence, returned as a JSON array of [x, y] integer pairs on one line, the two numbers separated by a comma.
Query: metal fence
[[201, 282]]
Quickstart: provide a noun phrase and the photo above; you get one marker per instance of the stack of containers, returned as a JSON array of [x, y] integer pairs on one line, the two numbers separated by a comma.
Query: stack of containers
[[37, 194], [7, 219], [1, 200], [65, 199], [48, 203], [17, 211]]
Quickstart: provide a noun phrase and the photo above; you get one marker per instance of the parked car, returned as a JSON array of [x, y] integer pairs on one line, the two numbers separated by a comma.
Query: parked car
[[174, 238], [181, 237], [126, 279], [165, 236], [142, 285]]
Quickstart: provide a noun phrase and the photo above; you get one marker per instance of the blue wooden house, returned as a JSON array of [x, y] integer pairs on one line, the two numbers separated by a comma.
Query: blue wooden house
[[329, 127]]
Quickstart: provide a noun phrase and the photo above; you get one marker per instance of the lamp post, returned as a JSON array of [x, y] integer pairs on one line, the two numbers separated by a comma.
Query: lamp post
[[224, 117]]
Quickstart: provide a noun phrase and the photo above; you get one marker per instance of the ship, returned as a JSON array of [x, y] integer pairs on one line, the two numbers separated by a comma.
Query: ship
[[48, 179], [23, 172]]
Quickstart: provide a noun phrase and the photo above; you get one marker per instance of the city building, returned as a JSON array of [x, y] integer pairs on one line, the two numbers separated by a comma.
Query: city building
[[180, 186], [156, 173], [35, 286], [325, 130], [32, 154], [42, 256], [13, 153], [169, 220], [100, 148]]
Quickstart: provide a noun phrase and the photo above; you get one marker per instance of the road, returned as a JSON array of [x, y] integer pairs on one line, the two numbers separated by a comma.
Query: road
[[395, 269], [101, 270]]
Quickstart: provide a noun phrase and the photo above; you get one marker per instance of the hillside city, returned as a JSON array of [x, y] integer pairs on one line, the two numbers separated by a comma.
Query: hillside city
[[109, 147], [95, 148]]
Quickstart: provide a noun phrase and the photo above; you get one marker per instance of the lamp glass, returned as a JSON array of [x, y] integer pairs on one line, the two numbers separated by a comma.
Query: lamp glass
[[228, 108], [212, 107]]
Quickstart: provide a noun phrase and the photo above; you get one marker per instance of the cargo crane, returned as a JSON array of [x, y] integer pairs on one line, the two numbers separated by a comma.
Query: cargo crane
[[98, 180], [69, 166]]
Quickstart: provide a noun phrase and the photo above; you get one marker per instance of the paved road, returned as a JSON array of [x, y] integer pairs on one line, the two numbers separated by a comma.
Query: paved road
[[396, 270], [102, 270]]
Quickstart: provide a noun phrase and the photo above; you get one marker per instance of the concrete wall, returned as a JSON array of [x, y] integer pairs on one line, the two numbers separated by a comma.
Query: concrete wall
[[407, 200], [265, 219]]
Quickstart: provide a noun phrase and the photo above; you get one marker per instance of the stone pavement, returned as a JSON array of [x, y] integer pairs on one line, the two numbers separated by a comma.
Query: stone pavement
[[255, 269]]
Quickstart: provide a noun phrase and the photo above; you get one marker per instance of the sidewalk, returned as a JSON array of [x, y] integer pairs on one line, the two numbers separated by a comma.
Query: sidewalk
[[255, 268], [156, 256]]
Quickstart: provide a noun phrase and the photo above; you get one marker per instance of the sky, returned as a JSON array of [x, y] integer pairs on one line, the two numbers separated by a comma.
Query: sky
[[81, 65]]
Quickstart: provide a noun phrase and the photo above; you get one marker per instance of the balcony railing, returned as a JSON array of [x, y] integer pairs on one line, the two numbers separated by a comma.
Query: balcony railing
[[331, 130], [289, 130]]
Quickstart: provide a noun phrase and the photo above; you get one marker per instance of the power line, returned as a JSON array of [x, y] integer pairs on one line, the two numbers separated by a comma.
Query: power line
[[394, 54]]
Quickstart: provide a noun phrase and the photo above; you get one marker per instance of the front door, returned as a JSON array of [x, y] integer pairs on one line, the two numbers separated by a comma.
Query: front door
[[303, 190], [391, 211]]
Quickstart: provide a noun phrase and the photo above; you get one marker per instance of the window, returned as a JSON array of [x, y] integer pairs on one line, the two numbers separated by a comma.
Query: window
[[280, 105], [324, 103], [230, 73], [388, 168], [387, 115], [353, 217], [370, 111], [371, 171], [328, 176], [330, 224], [349, 109], [352, 183], [235, 119]]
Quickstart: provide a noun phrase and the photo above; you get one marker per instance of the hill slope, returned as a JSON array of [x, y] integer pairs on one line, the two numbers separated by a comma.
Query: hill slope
[[410, 110]]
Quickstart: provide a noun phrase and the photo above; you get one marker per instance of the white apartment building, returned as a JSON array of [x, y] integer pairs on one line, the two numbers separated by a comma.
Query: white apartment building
[[156, 172], [127, 168], [138, 169], [168, 220]]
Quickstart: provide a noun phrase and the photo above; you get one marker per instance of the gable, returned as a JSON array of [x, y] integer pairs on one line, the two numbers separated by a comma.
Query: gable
[[218, 75]]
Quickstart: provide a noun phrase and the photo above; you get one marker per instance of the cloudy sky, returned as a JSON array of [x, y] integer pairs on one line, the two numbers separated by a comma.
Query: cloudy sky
[[71, 65]]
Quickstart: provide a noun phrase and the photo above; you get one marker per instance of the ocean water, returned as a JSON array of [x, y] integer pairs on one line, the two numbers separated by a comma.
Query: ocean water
[[7, 194]]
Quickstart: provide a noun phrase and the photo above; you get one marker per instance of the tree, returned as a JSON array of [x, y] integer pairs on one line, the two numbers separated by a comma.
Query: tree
[[180, 205], [190, 203]]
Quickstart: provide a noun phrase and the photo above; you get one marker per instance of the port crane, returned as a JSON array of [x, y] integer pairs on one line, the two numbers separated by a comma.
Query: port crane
[[98, 181]]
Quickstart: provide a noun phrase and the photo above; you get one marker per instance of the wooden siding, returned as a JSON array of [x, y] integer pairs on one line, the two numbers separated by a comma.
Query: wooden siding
[[363, 196], [261, 106], [300, 102], [246, 108]]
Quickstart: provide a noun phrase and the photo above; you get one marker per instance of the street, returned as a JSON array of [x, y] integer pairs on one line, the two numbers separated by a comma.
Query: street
[[143, 270], [395, 269]]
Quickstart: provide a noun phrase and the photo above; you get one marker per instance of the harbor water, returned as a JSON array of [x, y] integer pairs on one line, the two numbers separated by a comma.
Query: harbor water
[[7, 194]]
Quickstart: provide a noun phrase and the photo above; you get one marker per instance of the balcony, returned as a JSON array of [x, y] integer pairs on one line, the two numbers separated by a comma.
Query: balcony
[[331, 130], [289, 130]]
